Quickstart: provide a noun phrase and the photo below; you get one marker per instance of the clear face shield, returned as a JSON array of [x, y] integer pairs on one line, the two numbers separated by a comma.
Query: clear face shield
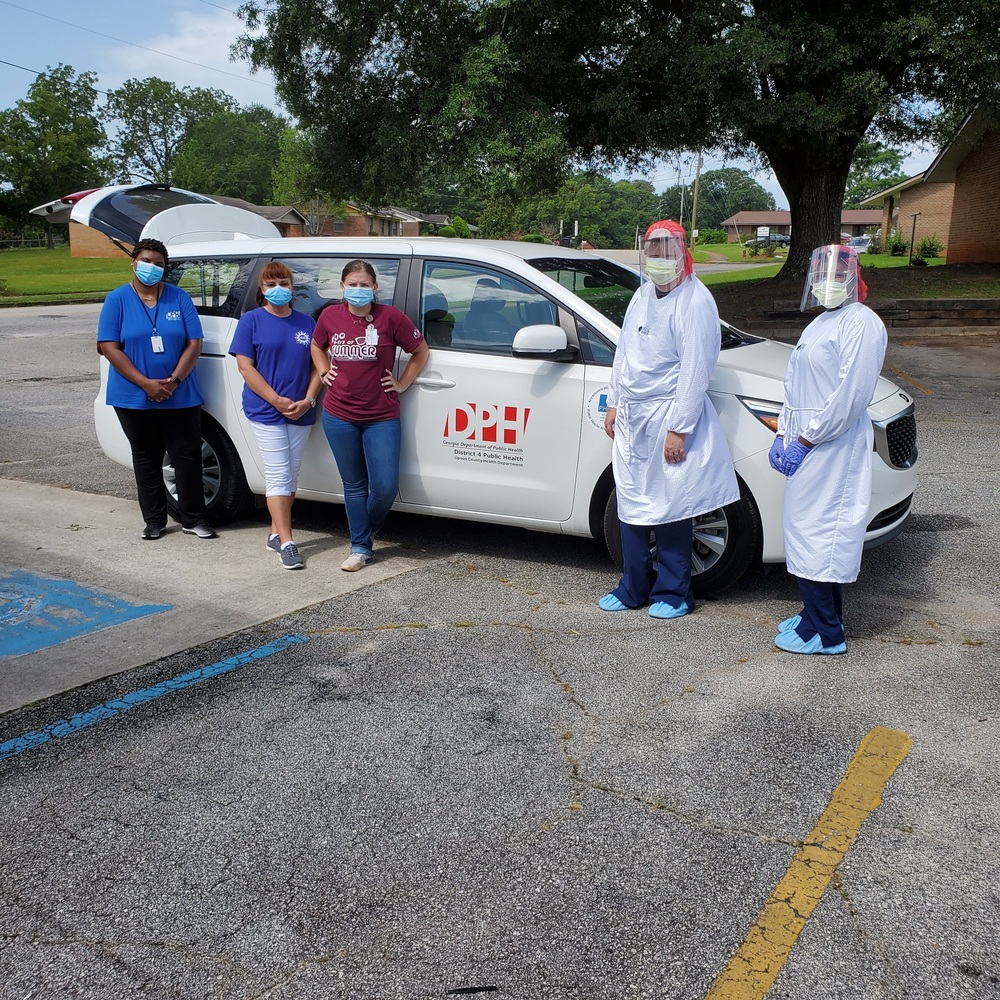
[[664, 255], [833, 279]]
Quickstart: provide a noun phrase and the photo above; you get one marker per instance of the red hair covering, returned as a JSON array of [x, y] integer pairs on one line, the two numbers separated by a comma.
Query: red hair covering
[[671, 231]]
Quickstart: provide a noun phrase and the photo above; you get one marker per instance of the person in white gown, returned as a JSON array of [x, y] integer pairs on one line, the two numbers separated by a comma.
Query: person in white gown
[[824, 448], [670, 459]]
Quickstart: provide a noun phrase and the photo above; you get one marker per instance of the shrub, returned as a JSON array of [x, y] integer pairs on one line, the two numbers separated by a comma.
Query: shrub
[[534, 238], [929, 246], [447, 231], [712, 236], [896, 247], [461, 227], [918, 262]]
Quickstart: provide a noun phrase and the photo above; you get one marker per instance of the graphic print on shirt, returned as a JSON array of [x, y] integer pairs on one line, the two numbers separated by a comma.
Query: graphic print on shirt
[[358, 348]]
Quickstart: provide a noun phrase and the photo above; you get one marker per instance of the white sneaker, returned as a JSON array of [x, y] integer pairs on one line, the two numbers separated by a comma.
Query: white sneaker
[[356, 561]]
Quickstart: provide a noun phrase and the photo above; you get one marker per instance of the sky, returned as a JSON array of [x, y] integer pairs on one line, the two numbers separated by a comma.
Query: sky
[[187, 42]]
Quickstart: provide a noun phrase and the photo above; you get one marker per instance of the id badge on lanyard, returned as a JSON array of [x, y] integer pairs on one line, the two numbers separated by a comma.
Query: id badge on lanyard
[[157, 342], [371, 335]]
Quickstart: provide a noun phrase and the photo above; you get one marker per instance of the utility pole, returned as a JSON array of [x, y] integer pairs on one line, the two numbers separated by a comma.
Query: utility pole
[[913, 236], [694, 200]]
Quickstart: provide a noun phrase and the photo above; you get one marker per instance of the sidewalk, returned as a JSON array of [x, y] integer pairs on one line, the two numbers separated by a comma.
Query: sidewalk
[[185, 590]]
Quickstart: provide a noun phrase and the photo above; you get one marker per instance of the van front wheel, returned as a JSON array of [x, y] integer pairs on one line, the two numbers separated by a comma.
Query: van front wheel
[[227, 496], [726, 542]]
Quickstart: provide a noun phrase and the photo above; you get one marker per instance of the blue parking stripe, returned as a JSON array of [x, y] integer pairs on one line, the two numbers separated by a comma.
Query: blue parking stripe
[[109, 709]]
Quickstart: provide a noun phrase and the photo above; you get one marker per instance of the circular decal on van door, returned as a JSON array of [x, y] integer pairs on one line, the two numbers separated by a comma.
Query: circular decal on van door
[[597, 406]]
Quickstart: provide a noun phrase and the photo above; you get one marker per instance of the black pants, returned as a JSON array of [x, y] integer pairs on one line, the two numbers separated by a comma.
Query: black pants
[[151, 433]]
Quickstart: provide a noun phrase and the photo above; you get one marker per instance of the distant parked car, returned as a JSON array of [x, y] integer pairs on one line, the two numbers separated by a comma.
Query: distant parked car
[[861, 243], [773, 239]]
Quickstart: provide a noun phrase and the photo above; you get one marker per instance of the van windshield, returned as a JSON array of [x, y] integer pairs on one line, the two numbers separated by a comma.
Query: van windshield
[[604, 285]]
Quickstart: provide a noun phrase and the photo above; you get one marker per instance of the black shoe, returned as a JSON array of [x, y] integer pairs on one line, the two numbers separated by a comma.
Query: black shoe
[[200, 529], [152, 531]]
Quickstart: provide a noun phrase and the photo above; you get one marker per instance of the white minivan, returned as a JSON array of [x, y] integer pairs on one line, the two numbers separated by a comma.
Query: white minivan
[[506, 421]]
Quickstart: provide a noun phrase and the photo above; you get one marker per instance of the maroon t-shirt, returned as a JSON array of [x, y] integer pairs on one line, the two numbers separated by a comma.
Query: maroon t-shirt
[[362, 349]]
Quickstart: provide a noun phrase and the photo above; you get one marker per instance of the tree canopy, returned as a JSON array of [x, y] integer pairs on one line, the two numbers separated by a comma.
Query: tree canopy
[[232, 153], [721, 193], [152, 118], [874, 169], [518, 89], [51, 142]]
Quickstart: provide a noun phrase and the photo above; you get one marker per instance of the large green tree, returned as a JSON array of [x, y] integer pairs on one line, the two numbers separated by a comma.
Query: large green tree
[[232, 153], [521, 87], [873, 169], [51, 142], [151, 119]]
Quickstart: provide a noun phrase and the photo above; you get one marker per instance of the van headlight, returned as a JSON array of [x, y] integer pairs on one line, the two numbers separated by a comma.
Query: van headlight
[[765, 410]]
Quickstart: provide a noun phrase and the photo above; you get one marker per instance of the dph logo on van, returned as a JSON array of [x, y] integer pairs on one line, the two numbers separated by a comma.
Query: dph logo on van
[[488, 422]]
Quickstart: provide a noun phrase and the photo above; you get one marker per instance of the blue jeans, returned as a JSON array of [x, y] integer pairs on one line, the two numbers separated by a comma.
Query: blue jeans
[[367, 456]]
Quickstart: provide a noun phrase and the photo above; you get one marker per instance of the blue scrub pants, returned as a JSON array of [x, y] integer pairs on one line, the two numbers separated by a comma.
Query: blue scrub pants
[[672, 581], [822, 611], [367, 456]]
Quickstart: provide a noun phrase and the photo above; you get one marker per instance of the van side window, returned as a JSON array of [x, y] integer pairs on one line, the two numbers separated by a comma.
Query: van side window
[[471, 308], [317, 280], [216, 286]]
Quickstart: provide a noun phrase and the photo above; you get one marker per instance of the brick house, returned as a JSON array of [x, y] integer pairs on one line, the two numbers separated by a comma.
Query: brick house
[[365, 220], [743, 225], [957, 198]]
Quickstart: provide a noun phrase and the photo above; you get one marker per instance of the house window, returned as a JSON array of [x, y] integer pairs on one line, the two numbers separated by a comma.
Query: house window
[[338, 225]]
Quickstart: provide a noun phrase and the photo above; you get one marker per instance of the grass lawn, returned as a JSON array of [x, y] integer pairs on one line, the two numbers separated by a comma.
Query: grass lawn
[[38, 275]]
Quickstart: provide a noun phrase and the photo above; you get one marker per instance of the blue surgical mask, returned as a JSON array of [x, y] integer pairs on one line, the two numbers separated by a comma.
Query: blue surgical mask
[[358, 296], [278, 295], [148, 274]]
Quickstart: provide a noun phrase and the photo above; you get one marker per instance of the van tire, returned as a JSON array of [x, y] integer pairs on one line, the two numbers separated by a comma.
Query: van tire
[[737, 526], [227, 496]]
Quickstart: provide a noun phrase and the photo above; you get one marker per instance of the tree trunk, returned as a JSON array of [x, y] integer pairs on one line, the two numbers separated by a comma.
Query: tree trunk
[[814, 181], [50, 240]]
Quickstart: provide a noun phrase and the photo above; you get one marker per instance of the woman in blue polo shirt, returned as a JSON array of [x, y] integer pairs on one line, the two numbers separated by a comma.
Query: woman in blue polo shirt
[[272, 347], [151, 335]]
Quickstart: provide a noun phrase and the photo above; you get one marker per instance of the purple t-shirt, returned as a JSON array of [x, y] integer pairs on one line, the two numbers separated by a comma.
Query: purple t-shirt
[[279, 347]]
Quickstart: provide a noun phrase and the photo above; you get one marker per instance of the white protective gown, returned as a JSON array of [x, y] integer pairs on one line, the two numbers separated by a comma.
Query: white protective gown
[[829, 384], [665, 357]]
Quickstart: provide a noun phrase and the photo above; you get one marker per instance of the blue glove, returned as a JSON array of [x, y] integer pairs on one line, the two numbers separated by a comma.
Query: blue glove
[[776, 455], [794, 454]]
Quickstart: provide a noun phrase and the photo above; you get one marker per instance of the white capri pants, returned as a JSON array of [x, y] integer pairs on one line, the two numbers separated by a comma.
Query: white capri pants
[[281, 448]]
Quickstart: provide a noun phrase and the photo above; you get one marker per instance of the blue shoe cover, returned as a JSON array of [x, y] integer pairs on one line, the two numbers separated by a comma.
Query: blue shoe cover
[[611, 603], [789, 623], [792, 642], [663, 610]]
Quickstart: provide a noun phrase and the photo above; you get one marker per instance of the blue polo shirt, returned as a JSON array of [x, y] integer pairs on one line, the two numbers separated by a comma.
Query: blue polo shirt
[[280, 349], [126, 320]]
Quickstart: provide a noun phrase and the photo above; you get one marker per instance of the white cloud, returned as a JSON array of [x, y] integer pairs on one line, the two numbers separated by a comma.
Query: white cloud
[[200, 45]]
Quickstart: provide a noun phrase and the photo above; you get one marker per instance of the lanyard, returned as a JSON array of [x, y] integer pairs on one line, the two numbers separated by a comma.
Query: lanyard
[[156, 309]]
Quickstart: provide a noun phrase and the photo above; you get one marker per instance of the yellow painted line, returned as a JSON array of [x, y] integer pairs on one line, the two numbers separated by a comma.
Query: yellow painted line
[[899, 373], [752, 970]]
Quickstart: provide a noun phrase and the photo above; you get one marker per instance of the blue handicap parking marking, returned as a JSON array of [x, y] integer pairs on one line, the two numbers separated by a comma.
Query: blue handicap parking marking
[[37, 612]]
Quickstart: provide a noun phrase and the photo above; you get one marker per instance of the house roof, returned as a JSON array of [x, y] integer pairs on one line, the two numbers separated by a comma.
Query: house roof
[[895, 189], [946, 163], [273, 213]]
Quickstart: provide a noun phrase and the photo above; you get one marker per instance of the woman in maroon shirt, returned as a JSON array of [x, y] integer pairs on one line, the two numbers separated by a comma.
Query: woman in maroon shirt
[[354, 349]]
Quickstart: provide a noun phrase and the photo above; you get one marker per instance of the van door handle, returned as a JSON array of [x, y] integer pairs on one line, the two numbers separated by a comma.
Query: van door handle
[[434, 383]]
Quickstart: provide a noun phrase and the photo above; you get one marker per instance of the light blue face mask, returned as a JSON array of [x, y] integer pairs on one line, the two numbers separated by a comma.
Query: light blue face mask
[[148, 274], [358, 296], [278, 295]]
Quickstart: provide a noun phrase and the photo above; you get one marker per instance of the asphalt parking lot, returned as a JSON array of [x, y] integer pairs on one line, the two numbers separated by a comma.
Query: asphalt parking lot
[[460, 777]]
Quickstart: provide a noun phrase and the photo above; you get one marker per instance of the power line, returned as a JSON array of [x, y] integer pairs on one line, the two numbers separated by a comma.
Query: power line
[[136, 45], [38, 72]]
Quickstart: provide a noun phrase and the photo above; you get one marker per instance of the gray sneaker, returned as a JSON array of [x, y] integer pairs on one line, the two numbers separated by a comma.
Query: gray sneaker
[[290, 558], [274, 543], [201, 529]]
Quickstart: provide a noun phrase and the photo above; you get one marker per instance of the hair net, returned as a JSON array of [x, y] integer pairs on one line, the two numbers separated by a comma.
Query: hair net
[[666, 242]]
